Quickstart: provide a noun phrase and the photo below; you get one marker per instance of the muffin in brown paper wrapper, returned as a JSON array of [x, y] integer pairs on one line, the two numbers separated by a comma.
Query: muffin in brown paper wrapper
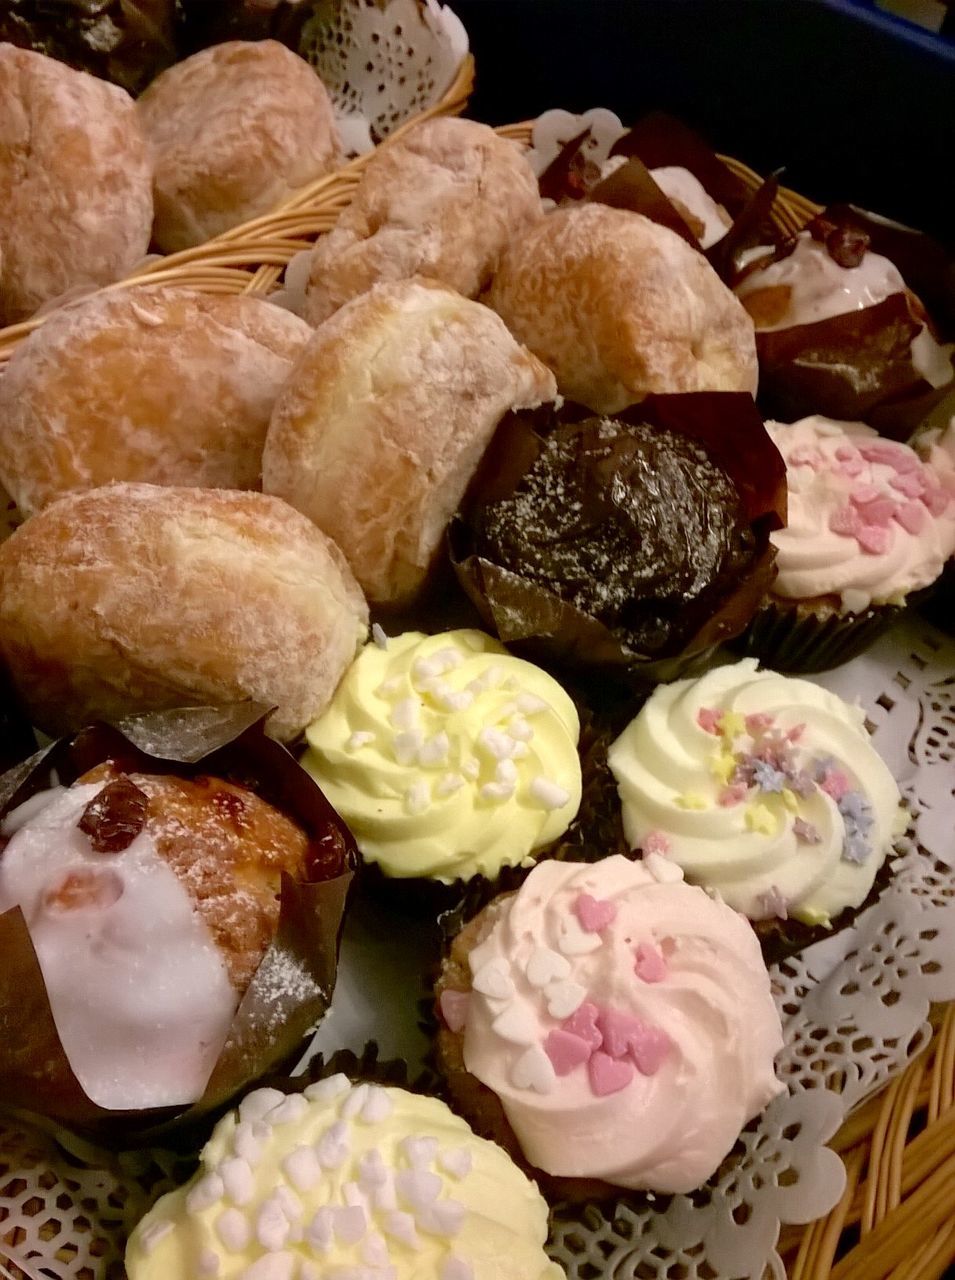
[[536, 622], [660, 141], [858, 366], [802, 637], [292, 986]]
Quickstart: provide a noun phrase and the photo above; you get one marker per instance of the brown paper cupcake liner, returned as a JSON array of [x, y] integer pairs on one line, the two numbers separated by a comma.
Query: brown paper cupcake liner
[[793, 639]]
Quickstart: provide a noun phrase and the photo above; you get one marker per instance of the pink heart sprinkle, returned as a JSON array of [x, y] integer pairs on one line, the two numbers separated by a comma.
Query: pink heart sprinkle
[[846, 452], [845, 520], [912, 484], [608, 1075], [936, 499], [650, 1050], [566, 1051], [864, 493], [879, 512], [650, 965], [890, 455], [873, 539], [911, 516], [583, 1025], [759, 722], [454, 1009], [835, 784], [732, 795], [655, 842], [852, 467], [709, 718], [594, 914], [618, 1030]]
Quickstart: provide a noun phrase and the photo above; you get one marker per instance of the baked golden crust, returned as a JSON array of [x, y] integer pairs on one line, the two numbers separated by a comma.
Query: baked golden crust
[[619, 306], [75, 182], [385, 418], [148, 384], [134, 597], [235, 130], [442, 202]]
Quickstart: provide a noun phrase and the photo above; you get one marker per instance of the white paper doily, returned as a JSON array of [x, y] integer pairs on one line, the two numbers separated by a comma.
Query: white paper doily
[[382, 61], [854, 1009]]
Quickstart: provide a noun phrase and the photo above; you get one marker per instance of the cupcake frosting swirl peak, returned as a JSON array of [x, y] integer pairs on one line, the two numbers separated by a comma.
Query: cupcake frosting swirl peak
[[625, 1021], [447, 756], [760, 786]]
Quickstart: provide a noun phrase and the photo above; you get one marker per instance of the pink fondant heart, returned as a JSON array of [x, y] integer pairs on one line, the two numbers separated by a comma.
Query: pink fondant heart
[[911, 516], [890, 455], [650, 965], [879, 512], [566, 1051], [845, 520], [912, 484], [852, 467], [618, 1029], [936, 499], [584, 1025], [454, 1009], [608, 1075], [649, 1049], [594, 914], [846, 451], [872, 539], [863, 494]]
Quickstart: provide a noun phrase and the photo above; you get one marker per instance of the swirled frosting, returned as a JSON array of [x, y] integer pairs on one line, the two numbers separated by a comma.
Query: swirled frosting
[[346, 1183], [447, 756], [868, 521], [809, 285], [625, 1021], [762, 787]]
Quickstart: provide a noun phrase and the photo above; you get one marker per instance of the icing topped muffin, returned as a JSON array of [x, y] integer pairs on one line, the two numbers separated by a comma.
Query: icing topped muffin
[[346, 1183], [447, 756], [762, 787], [868, 521], [624, 1020]]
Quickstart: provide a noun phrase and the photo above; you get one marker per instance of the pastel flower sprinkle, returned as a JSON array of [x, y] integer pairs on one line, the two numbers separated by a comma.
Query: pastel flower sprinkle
[[772, 903], [723, 766], [805, 832], [733, 794], [760, 819], [768, 778], [732, 724], [692, 800]]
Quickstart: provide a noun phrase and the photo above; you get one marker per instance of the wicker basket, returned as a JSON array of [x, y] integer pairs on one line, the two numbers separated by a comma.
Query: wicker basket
[[896, 1219]]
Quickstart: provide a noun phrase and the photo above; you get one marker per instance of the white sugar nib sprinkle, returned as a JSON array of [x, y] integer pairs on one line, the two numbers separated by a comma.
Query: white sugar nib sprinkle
[[384, 1195], [354, 1102], [506, 772], [150, 1237], [374, 1251], [496, 742], [453, 1268], [333, 1146], [360, 738], [471, 768], [319, 1232], [209, 1263], [446, 1218], [378, 1105], [207, 1192], [449, 783], [389, 688], [419, 1151], [435, 750], [289, 1202], [417, 1187], [350, 1223], [271, 1226], [529, 704], [418, 797], [247, 1141], [406, 713], [457, 1161], [354, 1195], [406, 745], [378, 635], [255, 1105], [238, 1180], [548, 794], [233, 1230], [519, 728], [401, 1226], [302, 1168], [290, 1110], [497, 792], [329, 1089]]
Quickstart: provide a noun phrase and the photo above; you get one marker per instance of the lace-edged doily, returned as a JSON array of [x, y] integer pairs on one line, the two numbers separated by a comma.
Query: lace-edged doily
[[854, 1009], [382, 61]]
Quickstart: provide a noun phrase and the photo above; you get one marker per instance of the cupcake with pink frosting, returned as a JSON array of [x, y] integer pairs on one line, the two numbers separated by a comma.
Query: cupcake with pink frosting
[[610, 1025], [871, 525]]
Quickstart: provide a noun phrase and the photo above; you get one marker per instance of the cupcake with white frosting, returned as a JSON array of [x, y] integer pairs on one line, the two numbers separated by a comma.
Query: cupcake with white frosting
[[870, 524], [611, 1025], [351, 1181], [763, 789], [448, 757]]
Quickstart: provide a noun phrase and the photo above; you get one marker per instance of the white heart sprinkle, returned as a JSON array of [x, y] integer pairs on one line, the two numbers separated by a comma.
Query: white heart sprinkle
[[320, 1230], [446, 1218], [533, 1070], [288, 1202], [516, 1024], [302, 1168], [493, 980], [384, 1196], [374, 1252], [207, 1192], [271, 1226], [238, 1180], [232, 1228], [457, 1161], [255, 1105], [419, 1151], [453, 1268], [247, 1141], [564, 998], [402, 1227], [328, 1090], [209, 1262], [289, 1111], [406, 713], [354, 1102], [546, 966], [417, 1187], [372, 1171], [350, 1223], [333, 1146], [574, 941], [378, 1106]]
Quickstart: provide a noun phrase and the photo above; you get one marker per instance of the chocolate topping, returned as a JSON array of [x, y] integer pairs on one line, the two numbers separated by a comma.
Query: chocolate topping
[[632, 524], [115, 816]]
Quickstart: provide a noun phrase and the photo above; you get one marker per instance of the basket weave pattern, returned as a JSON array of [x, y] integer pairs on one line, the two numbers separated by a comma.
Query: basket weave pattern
[[896, 1219]]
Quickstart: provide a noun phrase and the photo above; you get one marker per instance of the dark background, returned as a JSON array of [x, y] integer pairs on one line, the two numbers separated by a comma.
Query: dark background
[[854, 104]]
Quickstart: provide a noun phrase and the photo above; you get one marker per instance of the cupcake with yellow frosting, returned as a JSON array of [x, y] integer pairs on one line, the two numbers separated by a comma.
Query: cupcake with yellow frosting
[[764, 789], [357, 1182], [448, 757]]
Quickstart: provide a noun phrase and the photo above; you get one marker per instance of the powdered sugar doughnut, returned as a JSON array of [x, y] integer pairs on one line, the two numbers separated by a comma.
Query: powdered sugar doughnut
[[75, 182]]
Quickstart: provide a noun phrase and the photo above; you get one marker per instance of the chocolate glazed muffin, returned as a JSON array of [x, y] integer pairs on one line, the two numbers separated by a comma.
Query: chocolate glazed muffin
[[635, 526]]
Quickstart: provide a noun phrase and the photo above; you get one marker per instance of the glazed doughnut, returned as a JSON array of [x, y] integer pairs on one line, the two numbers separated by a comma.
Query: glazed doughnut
[[75, 182], [235, 130], [442, 202], [385, 418], [134, 598], [154, 384], [619, 306]]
